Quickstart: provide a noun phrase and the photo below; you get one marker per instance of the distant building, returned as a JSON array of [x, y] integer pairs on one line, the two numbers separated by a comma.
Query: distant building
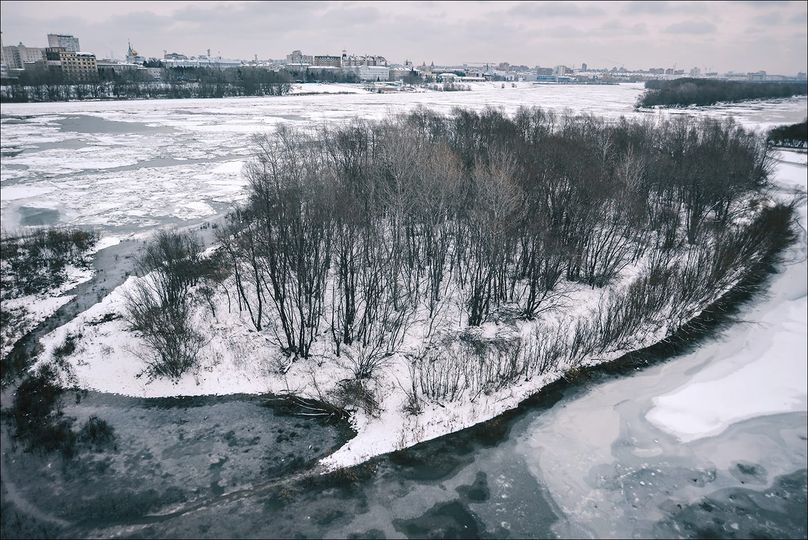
[[370, 73], [112, 66], [327, 61], [201, 61], [367, 60], [3, 62], [17, 56], [52, 56], [11, 57], [405, 72], [78, 66], [297, 57], [31, 54], [584, 66], [132, 55], [67, 42]]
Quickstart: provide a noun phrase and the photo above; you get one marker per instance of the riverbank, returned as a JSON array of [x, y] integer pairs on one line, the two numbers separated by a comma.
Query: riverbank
[[240, 361]]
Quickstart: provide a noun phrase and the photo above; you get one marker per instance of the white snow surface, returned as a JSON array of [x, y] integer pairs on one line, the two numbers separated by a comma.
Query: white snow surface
[[236, 359], [760, 366], [327, 88], [39, 307]]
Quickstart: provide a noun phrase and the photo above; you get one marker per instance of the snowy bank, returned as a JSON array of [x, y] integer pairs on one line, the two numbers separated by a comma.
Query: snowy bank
[[765, 370]]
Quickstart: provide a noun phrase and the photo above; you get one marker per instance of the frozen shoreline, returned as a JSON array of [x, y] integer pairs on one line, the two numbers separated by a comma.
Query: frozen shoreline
[[765, 371]]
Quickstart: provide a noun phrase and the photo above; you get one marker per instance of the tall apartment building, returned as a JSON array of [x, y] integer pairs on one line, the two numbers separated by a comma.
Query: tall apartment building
[[66, 41], [79, 67], [16, 56]]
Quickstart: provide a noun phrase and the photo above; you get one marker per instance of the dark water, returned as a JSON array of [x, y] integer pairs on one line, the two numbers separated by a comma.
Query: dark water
[[234, 467], [93, 124], [164, 453], [31, 216]]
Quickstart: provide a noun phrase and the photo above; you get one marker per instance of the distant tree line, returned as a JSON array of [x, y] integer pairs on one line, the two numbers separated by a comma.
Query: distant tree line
[[192, 82], [688, 91], [313, 74], [793, 136]]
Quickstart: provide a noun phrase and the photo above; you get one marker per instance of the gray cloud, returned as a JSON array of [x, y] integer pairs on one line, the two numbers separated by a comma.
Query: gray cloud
[[661, 7], [769, 18], [615, 27], [556, 9], [690, 27], [800, 18], [761, 4]]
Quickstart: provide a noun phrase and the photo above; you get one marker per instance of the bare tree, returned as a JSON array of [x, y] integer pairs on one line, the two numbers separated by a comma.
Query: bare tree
[[159, 305]]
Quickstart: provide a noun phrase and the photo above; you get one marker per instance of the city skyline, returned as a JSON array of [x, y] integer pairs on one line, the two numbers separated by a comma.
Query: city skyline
[[747, 36]]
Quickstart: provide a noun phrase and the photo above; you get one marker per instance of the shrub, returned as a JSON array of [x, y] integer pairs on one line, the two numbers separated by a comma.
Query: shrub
[[96, 433], [159, 305], [358, 394], [37, 414], [36, 262]]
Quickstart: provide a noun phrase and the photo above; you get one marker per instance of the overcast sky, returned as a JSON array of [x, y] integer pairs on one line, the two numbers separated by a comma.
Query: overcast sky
[[740, 36]]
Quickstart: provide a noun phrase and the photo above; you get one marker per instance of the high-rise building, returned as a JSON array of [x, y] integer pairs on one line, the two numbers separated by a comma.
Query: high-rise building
[[78, 66], [16, 56], [66, 41]]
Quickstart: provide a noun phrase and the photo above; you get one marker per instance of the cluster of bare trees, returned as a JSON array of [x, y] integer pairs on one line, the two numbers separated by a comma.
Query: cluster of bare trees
[[159, 305], [355, 232], [667, 294]]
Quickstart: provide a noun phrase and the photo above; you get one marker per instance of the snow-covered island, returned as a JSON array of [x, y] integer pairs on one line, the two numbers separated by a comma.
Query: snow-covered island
[[428, 272]]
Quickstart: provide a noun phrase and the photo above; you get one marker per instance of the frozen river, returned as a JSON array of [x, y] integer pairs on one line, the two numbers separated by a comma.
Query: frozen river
[[123, 166], [708, 439]]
